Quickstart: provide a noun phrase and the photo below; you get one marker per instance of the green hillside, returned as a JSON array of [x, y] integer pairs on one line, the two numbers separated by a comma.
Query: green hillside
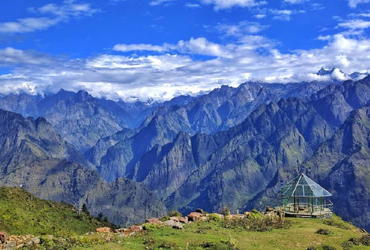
[[301, 235], [23, 213]]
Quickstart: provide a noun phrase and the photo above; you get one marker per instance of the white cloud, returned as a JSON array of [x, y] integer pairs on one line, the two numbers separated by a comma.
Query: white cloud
[[324, 38], [354, 3], [159, 2], [226, 4], [200, 46], [294, 1], [240, 29], [176, 70], [355, 24], [138, 47], [51, 14], [192, 5], [260, 16]]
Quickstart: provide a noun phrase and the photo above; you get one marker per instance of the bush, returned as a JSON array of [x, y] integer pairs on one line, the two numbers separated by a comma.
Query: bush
[[165, 218], [174, 213], [326, 247], [324, 231], [225, 211], [213, 217], [257, 223], [150, 227], [365, 240], [335, 223]]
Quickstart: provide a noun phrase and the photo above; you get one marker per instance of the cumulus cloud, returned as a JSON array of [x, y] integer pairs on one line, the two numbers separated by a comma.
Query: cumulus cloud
[[176, 71], [51, 14]]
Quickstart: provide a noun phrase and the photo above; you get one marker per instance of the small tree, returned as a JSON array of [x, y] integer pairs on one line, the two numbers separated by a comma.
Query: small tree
[[84, 209], [225, 211], [105, 219], [100, 216]]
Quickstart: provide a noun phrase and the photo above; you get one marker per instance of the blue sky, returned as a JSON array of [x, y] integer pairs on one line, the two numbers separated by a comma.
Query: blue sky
[[162, 48]]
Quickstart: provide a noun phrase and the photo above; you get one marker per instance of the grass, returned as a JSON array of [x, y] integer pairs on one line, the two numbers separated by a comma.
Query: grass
[[212, 235], [22, 213]]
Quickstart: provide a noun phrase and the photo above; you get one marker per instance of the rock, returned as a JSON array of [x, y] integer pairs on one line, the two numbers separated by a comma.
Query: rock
[[136, 228], [3, 237], [269, 209], [152, 221], [199, 210], [194, 216], [9, 245], [234, 216], [176, 219], [247, 214], [178, 226], [183, 220], [103, 230]]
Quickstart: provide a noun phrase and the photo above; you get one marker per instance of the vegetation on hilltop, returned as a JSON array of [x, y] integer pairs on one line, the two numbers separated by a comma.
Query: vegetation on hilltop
[[23, 213]]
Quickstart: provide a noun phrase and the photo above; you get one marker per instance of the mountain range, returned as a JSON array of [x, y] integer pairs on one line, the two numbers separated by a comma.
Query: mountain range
[[230, 147]]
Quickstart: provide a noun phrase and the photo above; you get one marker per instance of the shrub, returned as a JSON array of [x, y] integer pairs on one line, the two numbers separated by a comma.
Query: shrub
[[174, 213], [324, 231], [150, 227], [257, 223], [365, 240], [165, 218], [225, 211], [213, 217], [326, 247], [335, 223]]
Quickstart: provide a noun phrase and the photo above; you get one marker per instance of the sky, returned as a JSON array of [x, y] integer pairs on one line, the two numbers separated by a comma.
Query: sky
[[160, 49]]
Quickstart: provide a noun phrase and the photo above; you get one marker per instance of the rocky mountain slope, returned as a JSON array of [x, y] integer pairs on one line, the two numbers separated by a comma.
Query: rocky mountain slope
[[219, 110], [230, 168], [80, 118], [35, 157]]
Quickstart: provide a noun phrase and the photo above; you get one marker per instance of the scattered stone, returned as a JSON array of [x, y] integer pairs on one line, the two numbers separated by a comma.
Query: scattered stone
[[194, 216], [176, 219], [152, 221], [178, 226], [103, 230], [136, 228], [9, 245], [183, 220], [3, 237], [269, 209]]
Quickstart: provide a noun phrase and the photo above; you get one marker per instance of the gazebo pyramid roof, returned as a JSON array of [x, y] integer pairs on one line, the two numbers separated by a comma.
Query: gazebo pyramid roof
[[302, 186]]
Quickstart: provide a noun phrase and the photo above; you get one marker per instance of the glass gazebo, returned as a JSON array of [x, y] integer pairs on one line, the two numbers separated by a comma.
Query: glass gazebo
[[302, 197]]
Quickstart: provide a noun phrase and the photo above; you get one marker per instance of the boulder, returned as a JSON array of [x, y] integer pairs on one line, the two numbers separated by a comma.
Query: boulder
[[178, 226], [183, 220], [3, 237], [9, 245], [136, 228], [152, 221], [269, 209], [194, 216], [176, 219], [199, 210], [103, 230]]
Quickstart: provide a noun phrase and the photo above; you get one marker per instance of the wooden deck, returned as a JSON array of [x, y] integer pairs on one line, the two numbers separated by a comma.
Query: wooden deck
[[307, 212]]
